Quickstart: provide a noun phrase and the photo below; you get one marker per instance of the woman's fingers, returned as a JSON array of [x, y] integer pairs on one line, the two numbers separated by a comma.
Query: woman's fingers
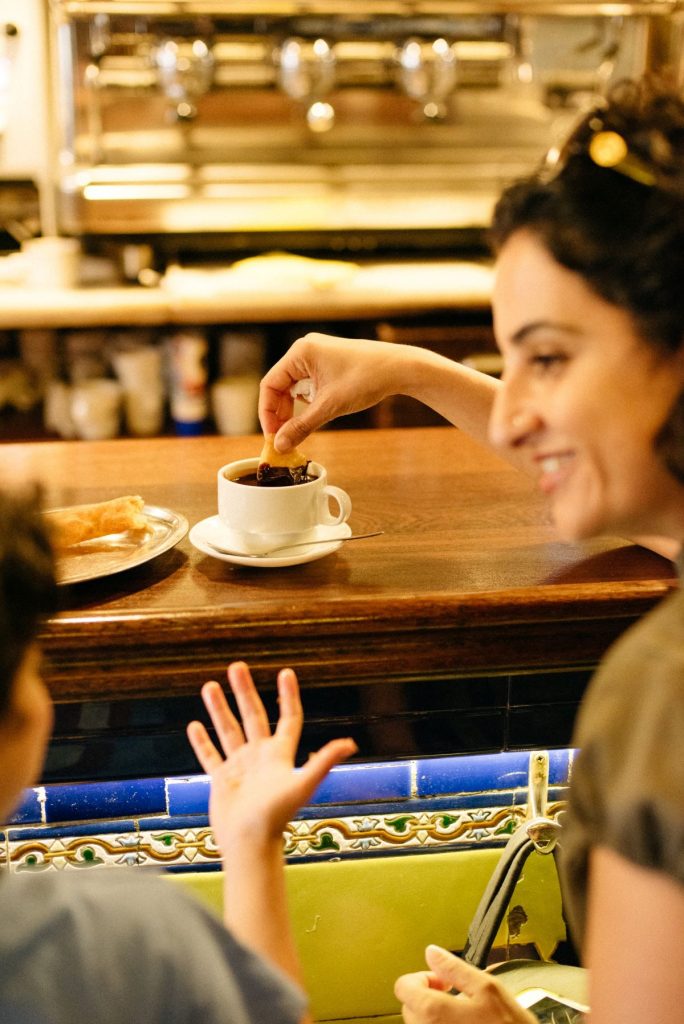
[[275, 399], [482, 1000], [275, 407], [295, 430], [409, 988], [252, 711], [255, 724], [410, 983], [423, 999], [456, 972]]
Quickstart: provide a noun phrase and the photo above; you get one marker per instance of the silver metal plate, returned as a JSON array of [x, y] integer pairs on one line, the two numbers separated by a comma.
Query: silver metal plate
[[116, 552]]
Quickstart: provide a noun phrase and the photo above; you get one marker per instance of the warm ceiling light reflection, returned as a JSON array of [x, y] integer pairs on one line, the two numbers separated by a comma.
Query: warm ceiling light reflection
[[105, 192], [133, 173]]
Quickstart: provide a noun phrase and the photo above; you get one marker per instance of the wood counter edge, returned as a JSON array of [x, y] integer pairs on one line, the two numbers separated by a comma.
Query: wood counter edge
[[152, 655], [551, 602]]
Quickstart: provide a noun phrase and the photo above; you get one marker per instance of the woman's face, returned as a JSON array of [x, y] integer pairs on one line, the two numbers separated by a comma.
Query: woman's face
[[583, 399]]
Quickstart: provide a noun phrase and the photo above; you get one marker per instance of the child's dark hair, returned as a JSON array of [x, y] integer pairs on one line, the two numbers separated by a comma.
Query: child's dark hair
[[27, 582], [624, 236]]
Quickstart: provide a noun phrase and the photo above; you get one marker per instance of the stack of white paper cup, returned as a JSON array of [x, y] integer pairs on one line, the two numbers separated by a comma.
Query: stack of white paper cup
[[96, 409], [51, 262], [139, 368], [234, 404]]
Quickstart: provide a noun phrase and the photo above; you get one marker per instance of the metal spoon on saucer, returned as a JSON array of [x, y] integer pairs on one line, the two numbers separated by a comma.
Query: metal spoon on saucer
[[297, 544]]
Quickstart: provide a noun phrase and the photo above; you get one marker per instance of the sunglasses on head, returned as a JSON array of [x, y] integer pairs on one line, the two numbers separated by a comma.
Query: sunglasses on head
[[649, 163]]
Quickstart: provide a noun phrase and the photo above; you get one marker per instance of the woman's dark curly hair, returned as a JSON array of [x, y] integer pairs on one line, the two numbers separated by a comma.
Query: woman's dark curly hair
[[623, 236], [27, 582]]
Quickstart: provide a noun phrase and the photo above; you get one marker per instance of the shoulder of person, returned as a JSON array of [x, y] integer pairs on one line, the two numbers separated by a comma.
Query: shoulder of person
[[116, 896], [654, 643], [173, 958], [640, 677]]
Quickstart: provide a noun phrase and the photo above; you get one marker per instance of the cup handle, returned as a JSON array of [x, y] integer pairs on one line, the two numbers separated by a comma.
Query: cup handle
[[344, 506]]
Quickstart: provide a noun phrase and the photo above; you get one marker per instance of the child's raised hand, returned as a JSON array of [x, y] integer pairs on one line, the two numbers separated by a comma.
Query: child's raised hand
[[255, 789]]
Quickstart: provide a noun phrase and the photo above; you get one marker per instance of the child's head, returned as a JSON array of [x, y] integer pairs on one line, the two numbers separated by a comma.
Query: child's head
[[27, 583]]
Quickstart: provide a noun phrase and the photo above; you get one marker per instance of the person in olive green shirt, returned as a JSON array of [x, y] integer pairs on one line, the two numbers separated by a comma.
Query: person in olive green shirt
[[588, 307]]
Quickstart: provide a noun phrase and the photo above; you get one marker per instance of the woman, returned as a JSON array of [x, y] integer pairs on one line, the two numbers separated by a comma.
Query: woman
[[589, 316]]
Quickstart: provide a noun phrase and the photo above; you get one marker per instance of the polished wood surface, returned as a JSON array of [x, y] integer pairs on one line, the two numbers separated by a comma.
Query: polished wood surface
[[467, 578]]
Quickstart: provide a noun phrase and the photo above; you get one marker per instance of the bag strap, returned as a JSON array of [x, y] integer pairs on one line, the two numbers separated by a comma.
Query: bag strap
[[538, 833]]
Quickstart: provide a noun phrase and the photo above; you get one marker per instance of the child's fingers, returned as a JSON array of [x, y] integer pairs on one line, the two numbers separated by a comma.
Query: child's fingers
[[227, 727], [320, 763], [205, 751], [252, 711], [291, 716]]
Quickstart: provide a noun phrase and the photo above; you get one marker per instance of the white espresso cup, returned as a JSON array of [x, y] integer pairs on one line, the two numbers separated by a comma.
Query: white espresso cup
[[261, 518]]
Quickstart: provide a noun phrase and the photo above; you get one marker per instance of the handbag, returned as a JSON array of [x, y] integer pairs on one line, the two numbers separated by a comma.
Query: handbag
[[560, 989]]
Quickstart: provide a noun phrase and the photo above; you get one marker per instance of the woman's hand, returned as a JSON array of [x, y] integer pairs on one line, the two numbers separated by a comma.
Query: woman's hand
[[255, 790], [426, 999], [348, 375]]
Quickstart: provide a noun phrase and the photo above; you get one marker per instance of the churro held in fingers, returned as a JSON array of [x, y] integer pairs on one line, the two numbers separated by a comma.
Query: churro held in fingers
[[274, 464]]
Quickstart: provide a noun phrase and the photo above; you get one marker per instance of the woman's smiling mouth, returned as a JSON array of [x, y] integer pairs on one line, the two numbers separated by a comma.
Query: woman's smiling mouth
[[552, 470]]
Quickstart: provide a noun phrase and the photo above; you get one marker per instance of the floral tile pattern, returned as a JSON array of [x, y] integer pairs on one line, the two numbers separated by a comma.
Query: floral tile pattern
[[427, 805]]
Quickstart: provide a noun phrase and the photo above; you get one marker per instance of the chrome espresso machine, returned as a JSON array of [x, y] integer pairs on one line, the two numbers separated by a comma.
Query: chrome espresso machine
[[322, 124]]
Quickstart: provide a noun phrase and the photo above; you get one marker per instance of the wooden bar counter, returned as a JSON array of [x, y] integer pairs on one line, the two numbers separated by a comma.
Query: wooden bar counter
[[468, 585]]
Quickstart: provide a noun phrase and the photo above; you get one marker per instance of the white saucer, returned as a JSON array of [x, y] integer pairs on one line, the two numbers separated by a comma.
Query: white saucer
[[212, 531]]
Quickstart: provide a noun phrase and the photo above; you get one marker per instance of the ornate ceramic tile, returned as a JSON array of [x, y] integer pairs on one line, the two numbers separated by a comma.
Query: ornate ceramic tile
[[73, 852], [177, 844], [361, 809]]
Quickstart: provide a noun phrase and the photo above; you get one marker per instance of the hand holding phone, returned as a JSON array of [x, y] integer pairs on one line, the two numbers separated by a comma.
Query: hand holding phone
[[550, 1008]]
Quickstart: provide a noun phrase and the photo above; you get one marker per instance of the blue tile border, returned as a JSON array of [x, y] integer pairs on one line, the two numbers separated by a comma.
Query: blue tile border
[[365, 783], [31, 807], [373, 809], [187, 869], [188, 795], [173, 823], [463, 801], [480, 772], [114, 799], [460, 781], [361, 783], [44, 832]]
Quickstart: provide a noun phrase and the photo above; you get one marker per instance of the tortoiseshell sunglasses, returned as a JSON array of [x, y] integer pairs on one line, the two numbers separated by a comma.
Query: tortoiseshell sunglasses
[[652, 163]]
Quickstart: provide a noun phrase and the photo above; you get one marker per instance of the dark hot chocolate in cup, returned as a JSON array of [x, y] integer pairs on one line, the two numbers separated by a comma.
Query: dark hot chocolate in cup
[[258, 518], [277, 476]]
